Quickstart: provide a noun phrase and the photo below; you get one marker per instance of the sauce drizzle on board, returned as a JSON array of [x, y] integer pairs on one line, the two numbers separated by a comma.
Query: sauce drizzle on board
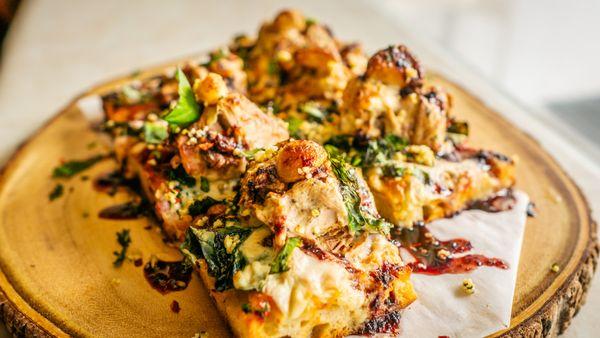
[[166, 277], [127, 210], [110, 183], [435, 257]]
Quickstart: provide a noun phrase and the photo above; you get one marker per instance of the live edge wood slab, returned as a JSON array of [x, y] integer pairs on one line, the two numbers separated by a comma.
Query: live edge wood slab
[[57, 277]]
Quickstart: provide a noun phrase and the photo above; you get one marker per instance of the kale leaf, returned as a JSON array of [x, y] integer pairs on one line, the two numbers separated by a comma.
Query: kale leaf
[[210, 246], [180, 175], [200, 207], [281, 262], [367, 153], [358, 219]]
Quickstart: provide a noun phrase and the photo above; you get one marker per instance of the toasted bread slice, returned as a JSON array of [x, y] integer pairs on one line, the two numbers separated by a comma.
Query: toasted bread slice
[[308, 253], [408, 193]]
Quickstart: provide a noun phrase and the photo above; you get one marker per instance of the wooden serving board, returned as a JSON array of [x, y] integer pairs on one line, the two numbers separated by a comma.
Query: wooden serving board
[[57, 277]]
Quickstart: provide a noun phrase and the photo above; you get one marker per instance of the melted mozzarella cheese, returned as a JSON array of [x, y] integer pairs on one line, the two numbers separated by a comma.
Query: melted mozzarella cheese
[[311, 283]]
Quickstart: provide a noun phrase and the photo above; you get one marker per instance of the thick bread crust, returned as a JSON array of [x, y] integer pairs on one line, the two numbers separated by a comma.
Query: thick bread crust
[[229, 303]]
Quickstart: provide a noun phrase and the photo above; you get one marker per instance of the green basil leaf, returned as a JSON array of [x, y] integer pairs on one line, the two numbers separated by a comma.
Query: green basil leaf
[[187, 110]]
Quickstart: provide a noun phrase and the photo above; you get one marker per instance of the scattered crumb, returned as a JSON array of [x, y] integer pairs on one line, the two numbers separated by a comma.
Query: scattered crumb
[[115, 281], [468, 286], [443, 254], [85, 214], [175, 306], [201, 334], [555, 268]]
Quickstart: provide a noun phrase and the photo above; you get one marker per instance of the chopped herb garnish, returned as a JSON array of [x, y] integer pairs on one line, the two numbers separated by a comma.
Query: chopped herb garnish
[[56, 192], [124, 240], [217, 55], [180, 175], [155, 132], [204, 184], [281, 262], [393, 170], [273, 67], [200, 207], [91, 145], [72, 168], [369, 153], [294, 126], [259, 312], [383, 149], [310, 21], [187, 110]]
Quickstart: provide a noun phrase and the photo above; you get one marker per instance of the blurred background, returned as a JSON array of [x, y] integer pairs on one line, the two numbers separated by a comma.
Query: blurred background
[[543, 55]]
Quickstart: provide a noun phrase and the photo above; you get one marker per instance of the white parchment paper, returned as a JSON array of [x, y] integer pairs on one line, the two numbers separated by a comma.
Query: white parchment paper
[[442, 308]]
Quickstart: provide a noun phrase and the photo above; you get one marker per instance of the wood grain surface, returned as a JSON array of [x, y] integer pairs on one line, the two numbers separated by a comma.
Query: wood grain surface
[[57, 276]]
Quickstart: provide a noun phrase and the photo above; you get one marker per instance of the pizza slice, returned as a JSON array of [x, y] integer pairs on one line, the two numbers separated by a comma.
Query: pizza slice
[[190, 155], [299, 70], [409, 145], [305, 254]]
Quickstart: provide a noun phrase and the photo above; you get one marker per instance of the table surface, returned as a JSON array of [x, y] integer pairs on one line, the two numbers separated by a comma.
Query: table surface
[[58, 48]]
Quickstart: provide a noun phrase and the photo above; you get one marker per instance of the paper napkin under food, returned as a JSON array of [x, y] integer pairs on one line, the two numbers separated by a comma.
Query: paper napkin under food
[[442, 307]]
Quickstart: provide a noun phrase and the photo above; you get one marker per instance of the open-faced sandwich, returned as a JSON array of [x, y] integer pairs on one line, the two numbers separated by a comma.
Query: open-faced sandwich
[[282, 163]]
